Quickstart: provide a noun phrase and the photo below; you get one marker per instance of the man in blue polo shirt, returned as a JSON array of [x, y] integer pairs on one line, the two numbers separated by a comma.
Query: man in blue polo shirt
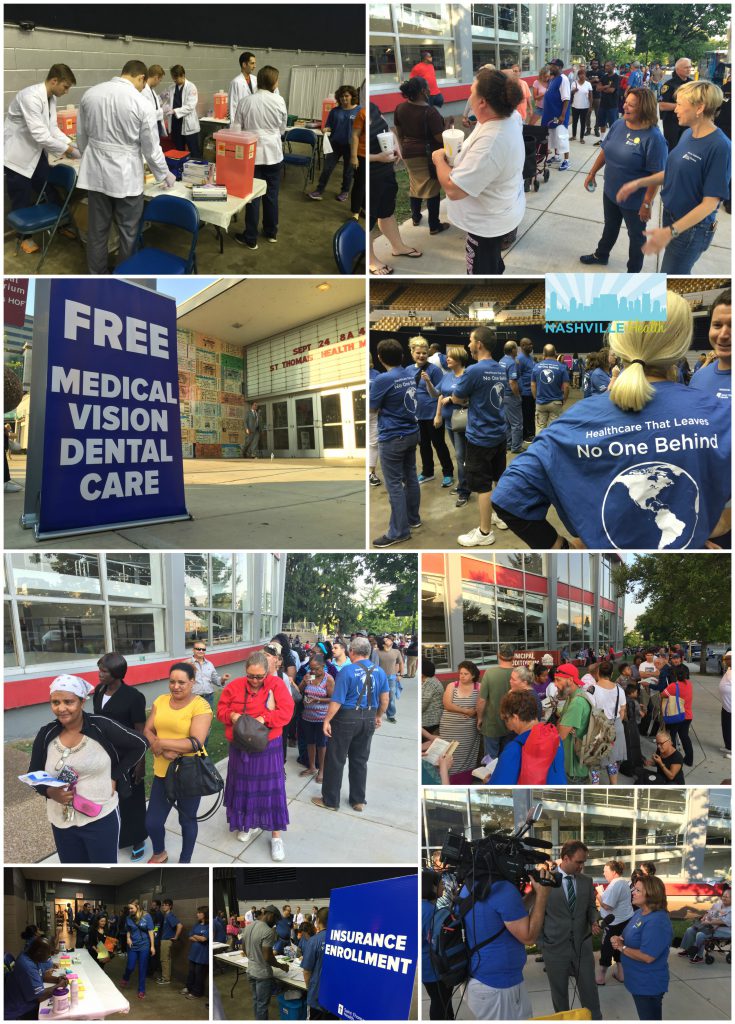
[[525, 365], [393, 397], [171, 929], [512, 400], [484, 386], [356, 709], [715, 377], [311, 965], [30, 981], [549, 387]]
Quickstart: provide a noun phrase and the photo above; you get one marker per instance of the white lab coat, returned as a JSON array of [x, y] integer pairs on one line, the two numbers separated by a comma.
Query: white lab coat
[[188, 109], [30, 128], [154, 101], [115, 132], [239, 90], [265, 114]]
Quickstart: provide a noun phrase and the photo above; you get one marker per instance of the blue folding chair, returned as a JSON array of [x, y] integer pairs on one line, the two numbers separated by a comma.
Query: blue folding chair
[[47, 217], [307, 162], [348, 246], [176, 212]]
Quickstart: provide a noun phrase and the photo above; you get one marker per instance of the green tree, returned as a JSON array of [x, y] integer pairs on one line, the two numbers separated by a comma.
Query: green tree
[[633, 638], [321, 588], [687, 596], [669, 31], [590, 31]]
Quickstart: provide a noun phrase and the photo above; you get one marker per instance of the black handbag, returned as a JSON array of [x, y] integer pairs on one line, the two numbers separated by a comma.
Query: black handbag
[[250, 735], [194, 776]]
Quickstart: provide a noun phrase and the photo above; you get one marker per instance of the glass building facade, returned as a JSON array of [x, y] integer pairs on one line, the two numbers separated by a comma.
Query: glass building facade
[[471, 604], [686, 831]]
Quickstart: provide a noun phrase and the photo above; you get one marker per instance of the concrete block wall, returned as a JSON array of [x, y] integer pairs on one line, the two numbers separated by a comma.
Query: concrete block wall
[[94, 59]]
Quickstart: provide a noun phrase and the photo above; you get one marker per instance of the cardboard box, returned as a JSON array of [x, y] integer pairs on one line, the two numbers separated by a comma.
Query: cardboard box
[[231, 451], [208, 451], [233, 437]]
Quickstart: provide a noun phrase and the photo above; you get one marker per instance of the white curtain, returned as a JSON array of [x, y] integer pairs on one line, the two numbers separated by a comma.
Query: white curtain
[[310, 85]]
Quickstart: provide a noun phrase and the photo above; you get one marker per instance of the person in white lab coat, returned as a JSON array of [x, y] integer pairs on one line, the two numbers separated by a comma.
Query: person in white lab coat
[[245, 85], [149, 94], [265, 114], [115, 132], [30, 136], [180, 106]]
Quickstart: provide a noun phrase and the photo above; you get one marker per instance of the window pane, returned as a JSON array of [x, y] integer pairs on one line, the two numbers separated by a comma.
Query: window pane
[[196, 626], [221, 580], [586, 572], [433, 626], [535, 620], [9, 652], [483, 19], [280, 440], [304, 412], [46, 575], [333, 437], [483, 54], [61, 632], [196, 581], [512, 559], [360, 435], [221, 628], [562, 568], [135, 577], [380, 18], [444, 810], [136, 630], [383, 61], [508, 17], [576, 623], [442, 53], [423, 19], [534, 563], [511, 620], [562, 621], [280, 414], [243, 596], [575, 570], [479, 620]]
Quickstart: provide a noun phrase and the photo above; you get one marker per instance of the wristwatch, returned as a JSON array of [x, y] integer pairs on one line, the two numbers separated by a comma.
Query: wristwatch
[[647, 205], [674, 232]]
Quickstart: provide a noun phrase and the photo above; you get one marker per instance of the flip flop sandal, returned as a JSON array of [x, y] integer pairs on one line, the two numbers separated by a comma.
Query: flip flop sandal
[[381, 271], [29, 247], [412, 254], [307, 771]]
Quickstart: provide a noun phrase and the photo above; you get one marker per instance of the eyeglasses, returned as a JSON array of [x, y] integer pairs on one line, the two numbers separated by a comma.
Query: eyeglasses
[[270, 650], [200, 648], [256, 679]]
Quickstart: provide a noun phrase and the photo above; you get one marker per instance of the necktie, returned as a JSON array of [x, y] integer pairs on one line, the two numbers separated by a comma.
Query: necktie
[[571, 898]]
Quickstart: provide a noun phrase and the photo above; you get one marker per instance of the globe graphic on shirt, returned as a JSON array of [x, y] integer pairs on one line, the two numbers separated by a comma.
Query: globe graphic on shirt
[[409, 399], [548, 376], [654, 504], [497, 395]]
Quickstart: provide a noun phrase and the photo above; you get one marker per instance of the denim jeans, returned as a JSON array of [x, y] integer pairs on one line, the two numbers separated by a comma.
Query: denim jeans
[[513, 422], [614, 216], [392, 684], [262, 989], [682, 253], [459, 444], [141, 958], [649, 1007], [271, 175], [492, 745], [339, 152], [398, 459], [93, 843], [158, 811]]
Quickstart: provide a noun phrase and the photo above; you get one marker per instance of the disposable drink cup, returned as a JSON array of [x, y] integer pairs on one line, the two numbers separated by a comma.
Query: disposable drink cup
[[386, 142], [453, 139]]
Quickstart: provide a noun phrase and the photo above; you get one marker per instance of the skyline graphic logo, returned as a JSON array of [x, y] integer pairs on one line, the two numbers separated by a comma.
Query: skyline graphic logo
[[605, 298]]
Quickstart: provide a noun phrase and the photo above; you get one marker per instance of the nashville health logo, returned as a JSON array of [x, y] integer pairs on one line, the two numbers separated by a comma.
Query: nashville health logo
[[604, 303]]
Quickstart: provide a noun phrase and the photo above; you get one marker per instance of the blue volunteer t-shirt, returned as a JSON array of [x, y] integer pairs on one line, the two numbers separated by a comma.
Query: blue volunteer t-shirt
[[696, 168], [713, 380], [549, 375], [312, 961], [22, 985], [199, 951], [511, 373], [350, 680], [484, 385], [393, 396], [170, 924], [220, 931], [138, 932], [631, 153], [525, 369], [340, 122], [659, 478], [447, 386], [426, 404], [500, 963], [652, 934], [508, 767], [596, 382]]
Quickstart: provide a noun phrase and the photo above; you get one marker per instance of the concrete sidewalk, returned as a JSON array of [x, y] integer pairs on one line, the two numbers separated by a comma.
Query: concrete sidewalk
[[562, 222], [385, 832], [695, 993], [309, 504]]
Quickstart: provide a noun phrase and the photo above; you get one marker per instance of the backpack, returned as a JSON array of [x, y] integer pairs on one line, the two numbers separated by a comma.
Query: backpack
[[448, 950], [595, 747]]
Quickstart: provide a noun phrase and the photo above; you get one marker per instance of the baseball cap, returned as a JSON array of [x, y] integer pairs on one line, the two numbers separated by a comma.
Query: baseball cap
[[559, 63], [569, 671]]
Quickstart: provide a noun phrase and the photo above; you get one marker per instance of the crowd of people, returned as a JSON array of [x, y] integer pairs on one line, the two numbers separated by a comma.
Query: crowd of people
[[630, 917], [517, 443], [326, 699], [262, 933], [585, 720], [688, 157], [121, 124], [145, 938]]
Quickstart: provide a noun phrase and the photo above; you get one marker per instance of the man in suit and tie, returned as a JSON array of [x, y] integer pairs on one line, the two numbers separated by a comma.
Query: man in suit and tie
[[566, 935], [252, 430]]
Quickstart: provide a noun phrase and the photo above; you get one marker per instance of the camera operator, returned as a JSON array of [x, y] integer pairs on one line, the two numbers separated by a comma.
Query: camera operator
[[566, 936], [496, 990]]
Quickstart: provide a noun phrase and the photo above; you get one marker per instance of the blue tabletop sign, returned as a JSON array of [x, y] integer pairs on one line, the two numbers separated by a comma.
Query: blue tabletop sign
[[112, 433], [370, 954]]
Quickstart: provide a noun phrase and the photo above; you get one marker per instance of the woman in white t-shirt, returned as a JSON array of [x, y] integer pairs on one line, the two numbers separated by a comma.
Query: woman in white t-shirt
[[613, 899], [581, 104], [484, 189], [610, 697]]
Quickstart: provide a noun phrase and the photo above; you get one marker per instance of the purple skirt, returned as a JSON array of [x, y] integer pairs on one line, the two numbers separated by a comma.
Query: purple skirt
[[255, 790]]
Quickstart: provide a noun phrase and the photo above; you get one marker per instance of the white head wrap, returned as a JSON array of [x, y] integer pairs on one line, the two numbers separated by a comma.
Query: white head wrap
[[72, 684]]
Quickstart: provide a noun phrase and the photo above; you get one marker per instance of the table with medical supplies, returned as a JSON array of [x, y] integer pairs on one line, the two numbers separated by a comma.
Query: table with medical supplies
[[98, 995], [294, 978]]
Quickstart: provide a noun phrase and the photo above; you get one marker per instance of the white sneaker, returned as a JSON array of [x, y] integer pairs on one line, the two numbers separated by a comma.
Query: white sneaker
[[475, 539], [11, 487], [251, 833], [497, 521], [277, 850]]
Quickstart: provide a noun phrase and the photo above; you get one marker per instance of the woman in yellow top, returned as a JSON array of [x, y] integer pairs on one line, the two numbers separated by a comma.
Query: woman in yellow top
[[176, 718]]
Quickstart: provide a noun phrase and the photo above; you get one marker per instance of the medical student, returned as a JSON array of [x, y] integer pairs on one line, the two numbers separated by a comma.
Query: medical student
[[245, 84], [652, 456], [31, 135], [155, 74], [115, 132], [180, 105], [715, 377]]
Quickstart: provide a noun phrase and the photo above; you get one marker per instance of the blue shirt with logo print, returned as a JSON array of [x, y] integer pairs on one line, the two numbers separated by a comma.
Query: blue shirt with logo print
[[393, 397], [549, 376], [631, 154], [484, 385]]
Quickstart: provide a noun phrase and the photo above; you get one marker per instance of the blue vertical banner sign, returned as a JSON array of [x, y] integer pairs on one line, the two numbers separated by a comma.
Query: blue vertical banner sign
[[112, 430], [369, 965]]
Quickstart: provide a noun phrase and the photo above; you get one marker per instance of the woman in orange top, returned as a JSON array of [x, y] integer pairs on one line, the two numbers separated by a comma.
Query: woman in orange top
[[255, 791]]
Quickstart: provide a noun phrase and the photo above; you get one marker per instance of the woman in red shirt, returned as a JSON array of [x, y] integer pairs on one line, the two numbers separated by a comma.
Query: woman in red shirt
[[255, 791], [681, 729]]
